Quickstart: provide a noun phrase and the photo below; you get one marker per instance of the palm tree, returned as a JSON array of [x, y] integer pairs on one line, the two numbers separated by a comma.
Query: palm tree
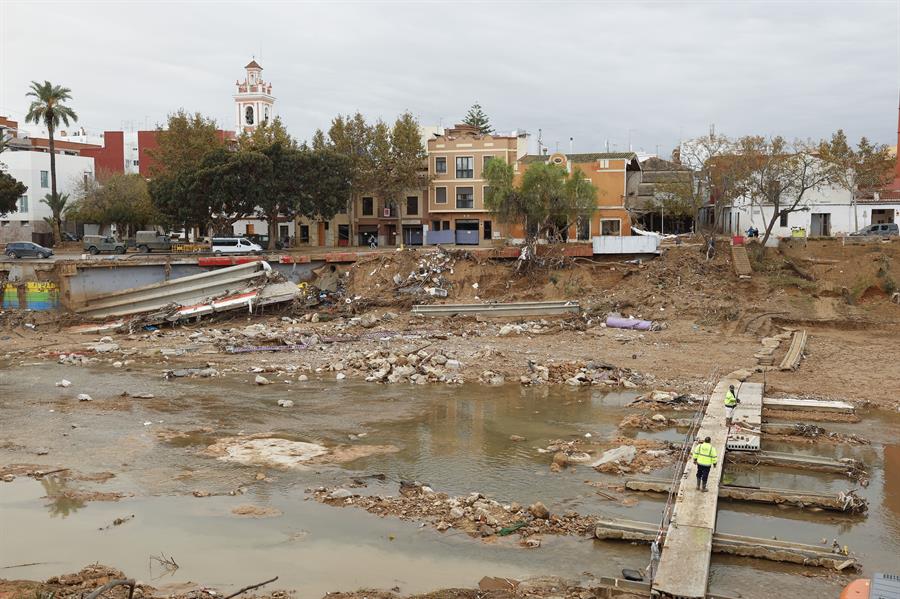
[[57, 204], [48, 108]]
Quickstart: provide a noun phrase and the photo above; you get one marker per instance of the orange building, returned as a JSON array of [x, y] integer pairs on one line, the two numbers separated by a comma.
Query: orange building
[[615, 175]]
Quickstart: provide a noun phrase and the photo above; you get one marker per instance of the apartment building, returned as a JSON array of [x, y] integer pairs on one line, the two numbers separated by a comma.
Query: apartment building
[[455, 199], [615, 175]]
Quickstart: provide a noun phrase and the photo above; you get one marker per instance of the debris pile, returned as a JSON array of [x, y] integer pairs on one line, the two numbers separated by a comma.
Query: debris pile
[[474, 514], [418, 367]]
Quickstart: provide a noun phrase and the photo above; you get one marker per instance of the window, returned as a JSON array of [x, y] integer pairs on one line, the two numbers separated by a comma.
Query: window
[[326, 225], [23, 204], [465, 198], [304, 233], [134, 163], [435, 225], [440, 165], [440, 195], [485, 161], [610, 226], [368, 207], [464, 166], [487, 230], [45, 179], [445, 225], [784, 218], [583, 229], [412, 205]]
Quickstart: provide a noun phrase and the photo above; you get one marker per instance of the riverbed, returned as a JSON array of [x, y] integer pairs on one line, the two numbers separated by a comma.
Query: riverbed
[[455, 439]]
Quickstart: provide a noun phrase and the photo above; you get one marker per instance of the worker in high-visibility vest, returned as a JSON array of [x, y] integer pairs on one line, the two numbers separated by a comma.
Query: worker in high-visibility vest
[[731, 402], [705, 457]]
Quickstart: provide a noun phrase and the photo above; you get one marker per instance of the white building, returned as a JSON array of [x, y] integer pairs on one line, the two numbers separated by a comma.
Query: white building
[[826, 212], [28, 161]]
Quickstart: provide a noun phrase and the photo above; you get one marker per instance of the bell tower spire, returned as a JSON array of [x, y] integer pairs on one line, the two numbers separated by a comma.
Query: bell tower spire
[[254, 102]]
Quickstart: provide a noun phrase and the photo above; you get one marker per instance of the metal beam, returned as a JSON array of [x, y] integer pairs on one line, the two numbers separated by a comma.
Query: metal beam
[[509, 309]]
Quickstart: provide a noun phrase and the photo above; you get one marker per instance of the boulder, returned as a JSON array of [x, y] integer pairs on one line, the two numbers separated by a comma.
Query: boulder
[[261, 380], [84, 397], [285, 403], [302, 378], [539, 511], [339, 494], [64, 383], [658, 418], [457, 512]]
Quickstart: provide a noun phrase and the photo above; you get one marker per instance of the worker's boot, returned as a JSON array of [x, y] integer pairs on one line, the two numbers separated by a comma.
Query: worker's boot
[[704, 487], [698, 484]]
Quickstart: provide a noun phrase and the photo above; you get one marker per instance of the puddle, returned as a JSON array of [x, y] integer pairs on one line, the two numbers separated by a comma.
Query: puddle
[[457, 440]]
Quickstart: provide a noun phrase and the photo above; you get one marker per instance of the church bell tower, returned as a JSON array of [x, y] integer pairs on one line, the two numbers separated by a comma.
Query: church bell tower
[[254, 102]]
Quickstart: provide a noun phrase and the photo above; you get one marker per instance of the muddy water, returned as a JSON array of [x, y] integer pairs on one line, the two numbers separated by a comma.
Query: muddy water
[[456, 439]]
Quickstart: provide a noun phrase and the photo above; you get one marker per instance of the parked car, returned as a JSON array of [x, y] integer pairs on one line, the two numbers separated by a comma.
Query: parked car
[[66, 236], [27, 249], [234, 245], [148, 241], [99, 243], [263, 241], [883, 229]]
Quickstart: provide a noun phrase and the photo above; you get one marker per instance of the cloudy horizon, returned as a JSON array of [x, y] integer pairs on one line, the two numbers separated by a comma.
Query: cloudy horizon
[[595, 71]]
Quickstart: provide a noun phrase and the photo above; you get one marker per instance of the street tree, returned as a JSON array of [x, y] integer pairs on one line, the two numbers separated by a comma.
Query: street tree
[[121, 199], [545, 204], [234, 183], [780, 175], [708, 181], [48, 108], [11, 190], [57, 204], [182, 147], [476, 117], [867, 167]]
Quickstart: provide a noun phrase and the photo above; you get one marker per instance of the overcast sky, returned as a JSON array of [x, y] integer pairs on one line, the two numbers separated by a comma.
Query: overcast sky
[[595, 71]]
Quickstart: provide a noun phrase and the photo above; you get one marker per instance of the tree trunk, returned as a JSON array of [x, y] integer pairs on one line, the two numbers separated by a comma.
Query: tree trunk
[[776, 214], [272, 224], [57, 236]]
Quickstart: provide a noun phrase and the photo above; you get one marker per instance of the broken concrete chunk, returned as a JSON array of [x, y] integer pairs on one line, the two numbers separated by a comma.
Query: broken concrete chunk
[[63, 383], [285, 403], [261, 380], [340, 494], [624, 454], [539, 510], [84, 397]]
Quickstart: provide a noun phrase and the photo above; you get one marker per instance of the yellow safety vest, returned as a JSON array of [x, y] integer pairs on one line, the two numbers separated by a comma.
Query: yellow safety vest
[[730, 399], [705, 454]]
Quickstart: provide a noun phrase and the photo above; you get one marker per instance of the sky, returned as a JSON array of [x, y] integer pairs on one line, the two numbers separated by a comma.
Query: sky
[[648, 73]]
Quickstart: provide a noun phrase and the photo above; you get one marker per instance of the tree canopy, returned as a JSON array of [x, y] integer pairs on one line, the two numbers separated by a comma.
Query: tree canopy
[[10, 191], [476, 117], [122, 200], [545, 203]]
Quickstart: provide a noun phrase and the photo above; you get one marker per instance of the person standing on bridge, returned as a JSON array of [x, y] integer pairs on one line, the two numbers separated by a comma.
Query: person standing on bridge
[[705, 457], [731, 402]]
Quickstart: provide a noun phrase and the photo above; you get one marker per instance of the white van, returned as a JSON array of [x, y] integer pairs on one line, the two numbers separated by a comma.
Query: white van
[[234, 245]]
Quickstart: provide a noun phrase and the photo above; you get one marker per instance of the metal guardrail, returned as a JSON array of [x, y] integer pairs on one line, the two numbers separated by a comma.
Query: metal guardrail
[[509, 309]]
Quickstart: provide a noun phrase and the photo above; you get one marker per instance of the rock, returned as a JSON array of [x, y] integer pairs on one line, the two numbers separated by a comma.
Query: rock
[[340, 376], [64, 383], [516, 438], [201, 493], [539, 511], [442, 526], [8, 478], [515, 507], [117, 364], [84, 397], [261, 380], [624, 454], [302, 378], [314, 317], [628, 384], [574, 381], [508, 329], [741, 374], [453, 364], [486, 530], [368, 321], [285, 403], [658, 418], [560, 459], [531, 543], [103, 347], [579, 457], [456, 513], [439, 359], [339, 494], [207, 372], [492, 583], [41, 451]]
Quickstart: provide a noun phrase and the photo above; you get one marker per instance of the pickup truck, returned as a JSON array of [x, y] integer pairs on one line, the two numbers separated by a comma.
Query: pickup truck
[[148, 241], [99, 243]]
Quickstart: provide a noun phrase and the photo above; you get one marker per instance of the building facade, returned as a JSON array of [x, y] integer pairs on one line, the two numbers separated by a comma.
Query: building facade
[[616, 177], [28, 160], [455, 198]]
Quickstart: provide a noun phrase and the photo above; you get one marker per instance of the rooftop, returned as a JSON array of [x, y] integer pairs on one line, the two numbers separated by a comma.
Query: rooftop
[[590, 157]]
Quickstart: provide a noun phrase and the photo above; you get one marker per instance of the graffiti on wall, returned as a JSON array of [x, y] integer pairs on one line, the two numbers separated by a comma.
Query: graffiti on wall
[[33, 295]]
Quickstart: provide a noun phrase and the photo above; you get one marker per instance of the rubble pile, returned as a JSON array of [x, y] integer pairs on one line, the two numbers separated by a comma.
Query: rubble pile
[[418, 367], [579, 374], [474, 514]]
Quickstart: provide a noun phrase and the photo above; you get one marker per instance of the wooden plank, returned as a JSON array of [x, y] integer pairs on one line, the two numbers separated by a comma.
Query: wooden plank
[[795, 352], [787, 403], [741, 261]]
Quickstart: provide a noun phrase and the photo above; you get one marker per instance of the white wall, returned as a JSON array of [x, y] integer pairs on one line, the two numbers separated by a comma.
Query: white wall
[[829, 200], [27, 166]]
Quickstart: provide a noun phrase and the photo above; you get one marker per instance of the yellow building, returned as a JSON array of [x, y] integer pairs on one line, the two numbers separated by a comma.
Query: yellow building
[[456, 160]]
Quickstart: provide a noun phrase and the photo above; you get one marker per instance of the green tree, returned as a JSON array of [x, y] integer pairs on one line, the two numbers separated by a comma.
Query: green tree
[[122, 200], [856, 170], [10, 191], [182, 148], [57, 205], [49, 108], [234, 184], [546, 203], [477, 118]]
